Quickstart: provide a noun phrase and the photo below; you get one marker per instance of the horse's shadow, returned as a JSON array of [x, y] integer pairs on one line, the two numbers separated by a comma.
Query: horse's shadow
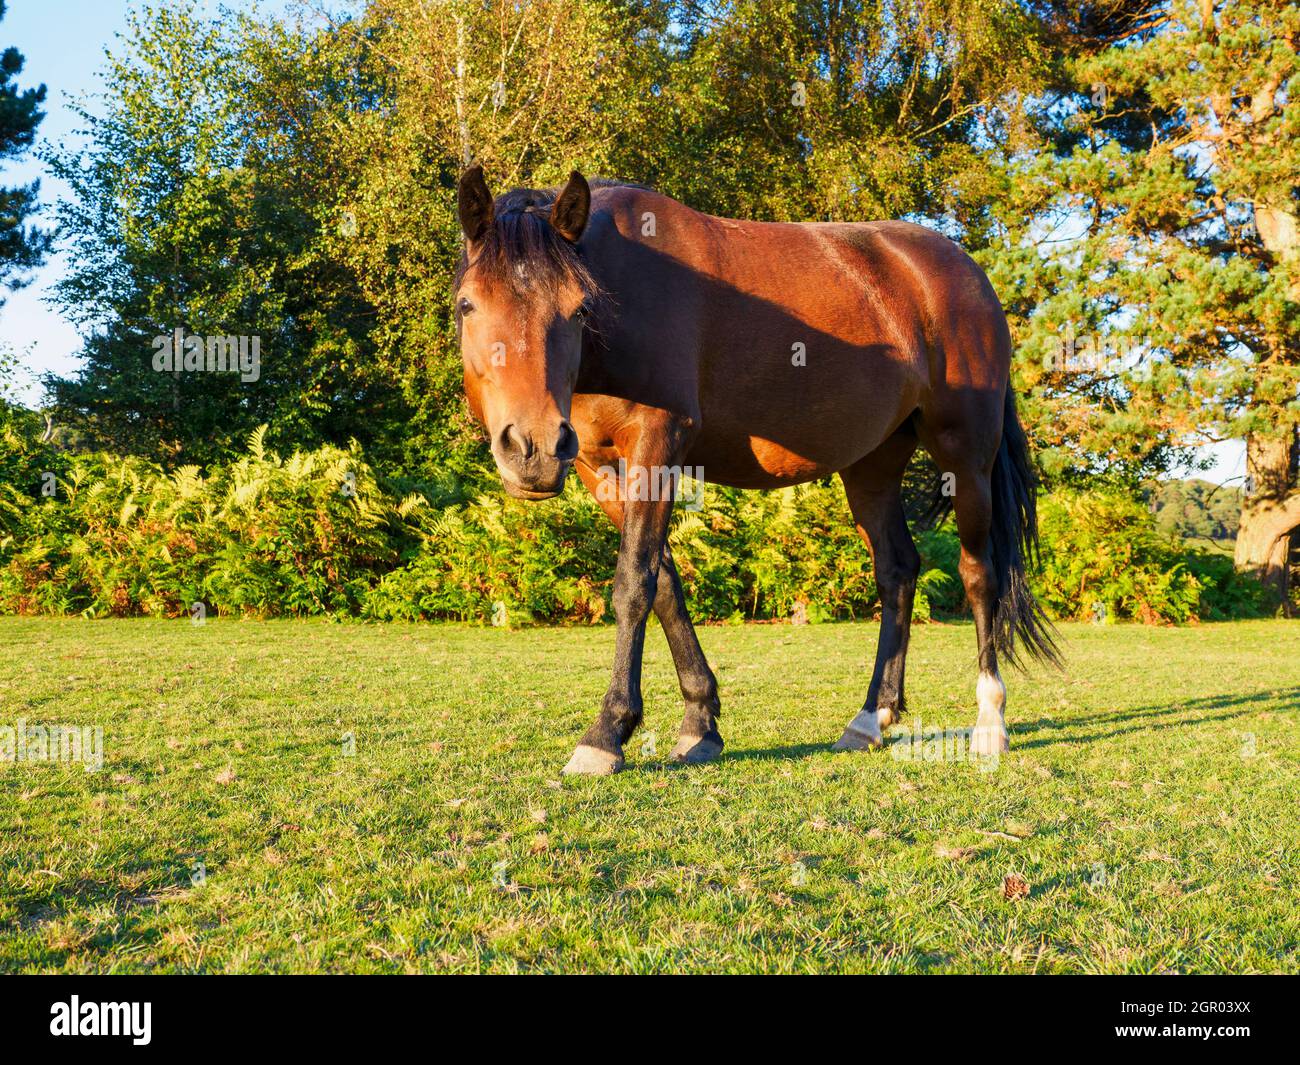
[[794, 750], [1287, 699]]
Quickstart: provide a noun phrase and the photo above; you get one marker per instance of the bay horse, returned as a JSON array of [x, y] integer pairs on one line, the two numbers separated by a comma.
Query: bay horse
[[605, 322]]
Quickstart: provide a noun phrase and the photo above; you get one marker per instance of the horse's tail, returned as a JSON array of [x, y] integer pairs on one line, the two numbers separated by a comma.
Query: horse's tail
[[1015, 548]]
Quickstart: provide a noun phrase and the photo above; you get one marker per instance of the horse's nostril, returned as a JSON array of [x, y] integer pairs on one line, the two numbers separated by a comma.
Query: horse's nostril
[[566, 444], [513, 441]]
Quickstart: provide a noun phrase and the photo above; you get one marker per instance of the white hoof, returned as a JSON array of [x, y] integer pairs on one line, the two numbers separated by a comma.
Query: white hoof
[[593, 762], [693, 750], [987, 741], [863, 733], [989, 736]]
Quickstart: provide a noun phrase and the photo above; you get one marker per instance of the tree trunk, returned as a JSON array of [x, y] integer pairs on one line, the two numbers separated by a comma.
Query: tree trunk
[[462, 120], [1270, 511]]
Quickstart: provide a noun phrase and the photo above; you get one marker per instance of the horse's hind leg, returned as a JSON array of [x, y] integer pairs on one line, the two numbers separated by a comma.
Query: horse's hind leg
[[873, 486], [970, 459], [698, 738]]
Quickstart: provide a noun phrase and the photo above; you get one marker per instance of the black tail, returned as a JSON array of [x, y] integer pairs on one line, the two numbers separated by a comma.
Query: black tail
[[1015, 548]]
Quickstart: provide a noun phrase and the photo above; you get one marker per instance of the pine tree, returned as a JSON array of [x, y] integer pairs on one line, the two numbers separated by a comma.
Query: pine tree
[[22, 246], [1150, 259]]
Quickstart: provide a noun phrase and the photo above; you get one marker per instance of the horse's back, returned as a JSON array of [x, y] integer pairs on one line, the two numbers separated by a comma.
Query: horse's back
[[803, 345]]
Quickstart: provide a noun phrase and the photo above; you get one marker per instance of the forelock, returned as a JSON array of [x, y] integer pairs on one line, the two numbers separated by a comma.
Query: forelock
[[522, 252]]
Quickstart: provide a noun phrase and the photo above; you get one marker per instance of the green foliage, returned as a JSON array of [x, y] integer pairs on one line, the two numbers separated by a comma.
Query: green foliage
[[496, 559], [317, 533], [1227, 592], [1147, 250], [1196, 509], [745, 556], [264, 536], [1102, 549], [204, 201], [294, 180], [939, 589]]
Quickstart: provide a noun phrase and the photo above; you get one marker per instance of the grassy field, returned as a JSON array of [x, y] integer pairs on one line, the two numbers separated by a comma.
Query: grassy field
[[1146, 816]]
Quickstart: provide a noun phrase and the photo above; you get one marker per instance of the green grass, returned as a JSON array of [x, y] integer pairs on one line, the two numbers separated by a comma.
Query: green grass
[[1149, 802]]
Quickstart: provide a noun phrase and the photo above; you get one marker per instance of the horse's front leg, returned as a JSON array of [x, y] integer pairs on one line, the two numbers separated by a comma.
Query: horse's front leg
[[645, 526], [698, 738]]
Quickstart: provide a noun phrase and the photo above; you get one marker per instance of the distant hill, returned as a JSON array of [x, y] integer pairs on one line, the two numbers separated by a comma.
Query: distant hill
[[1196, 509]]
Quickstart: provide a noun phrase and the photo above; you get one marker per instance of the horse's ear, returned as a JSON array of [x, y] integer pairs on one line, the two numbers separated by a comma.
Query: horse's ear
[[475, 204], [572, 207]]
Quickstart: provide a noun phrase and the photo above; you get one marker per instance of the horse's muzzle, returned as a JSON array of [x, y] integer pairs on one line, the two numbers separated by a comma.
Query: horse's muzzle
[[532, 472], [519, 491]]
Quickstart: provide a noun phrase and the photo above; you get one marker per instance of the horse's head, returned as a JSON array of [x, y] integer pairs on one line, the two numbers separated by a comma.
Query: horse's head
[[523, 295]]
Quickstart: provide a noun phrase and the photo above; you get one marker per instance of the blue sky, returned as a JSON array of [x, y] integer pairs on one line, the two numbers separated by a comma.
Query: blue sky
[[64, 42]]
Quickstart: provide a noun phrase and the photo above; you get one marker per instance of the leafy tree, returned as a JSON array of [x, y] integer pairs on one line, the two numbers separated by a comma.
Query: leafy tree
[[199, 206], [1196, 509], [841, 110], [832, 109]]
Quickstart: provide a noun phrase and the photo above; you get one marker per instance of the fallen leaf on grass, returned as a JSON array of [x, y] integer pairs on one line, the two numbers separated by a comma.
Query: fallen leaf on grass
[[226, 776], [1015, 887], [956, 854]]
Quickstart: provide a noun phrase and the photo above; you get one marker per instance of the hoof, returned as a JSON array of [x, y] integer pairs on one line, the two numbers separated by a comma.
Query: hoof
[[692, 750], [863, 734], [989, 740], [593, 762], [989, 736]]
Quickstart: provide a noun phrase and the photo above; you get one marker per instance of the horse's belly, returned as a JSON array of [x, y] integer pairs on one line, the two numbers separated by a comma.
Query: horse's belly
[[765, 429], [755, 462]]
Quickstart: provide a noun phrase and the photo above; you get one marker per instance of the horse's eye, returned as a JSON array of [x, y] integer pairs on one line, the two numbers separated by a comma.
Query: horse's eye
[[464, 306], [583, 313]]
